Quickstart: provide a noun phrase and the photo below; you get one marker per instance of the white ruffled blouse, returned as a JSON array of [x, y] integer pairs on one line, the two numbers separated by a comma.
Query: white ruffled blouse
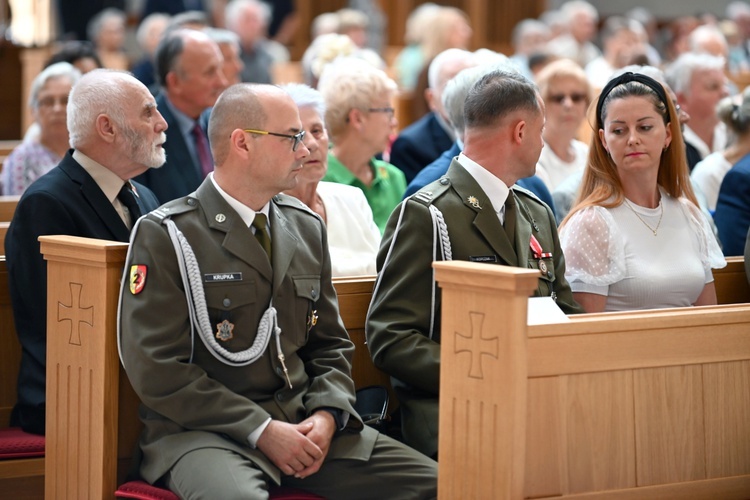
[[614, 252]]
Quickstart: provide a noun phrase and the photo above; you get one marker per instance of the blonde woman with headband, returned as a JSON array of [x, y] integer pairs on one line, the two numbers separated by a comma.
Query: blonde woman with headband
[[635, 238]]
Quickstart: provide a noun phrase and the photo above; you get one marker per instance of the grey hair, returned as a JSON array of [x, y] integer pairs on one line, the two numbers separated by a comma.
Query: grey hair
[[144, 30], [705, 33], [445, 57], [57, 70], [737, 9], [235, 7], [222, 36], [101, 91], [573, 7], [528, 27], [680, 72], [454, 95], [305, 96], [736, 116], [94, 27]]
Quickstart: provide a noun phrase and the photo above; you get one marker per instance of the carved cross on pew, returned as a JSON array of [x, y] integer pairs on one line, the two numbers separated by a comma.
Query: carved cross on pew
[[476, 345], [75, 313]]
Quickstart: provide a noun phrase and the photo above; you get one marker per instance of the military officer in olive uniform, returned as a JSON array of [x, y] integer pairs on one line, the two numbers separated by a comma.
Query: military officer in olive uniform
[[231, 336], [468, 214]]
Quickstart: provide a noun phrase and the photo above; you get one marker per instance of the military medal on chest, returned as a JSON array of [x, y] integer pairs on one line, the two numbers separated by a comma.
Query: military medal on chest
[[539, 254]]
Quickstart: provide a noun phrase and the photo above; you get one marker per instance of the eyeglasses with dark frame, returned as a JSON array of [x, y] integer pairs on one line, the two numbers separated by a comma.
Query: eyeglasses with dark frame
[[576, 98], [296, 138]]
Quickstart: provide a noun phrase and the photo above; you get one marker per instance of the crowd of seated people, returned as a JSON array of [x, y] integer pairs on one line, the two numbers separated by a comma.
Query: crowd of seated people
[[590, 132]]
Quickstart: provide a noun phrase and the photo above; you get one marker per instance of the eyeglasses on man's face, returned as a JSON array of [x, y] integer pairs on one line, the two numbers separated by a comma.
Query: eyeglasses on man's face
[[296, 138]]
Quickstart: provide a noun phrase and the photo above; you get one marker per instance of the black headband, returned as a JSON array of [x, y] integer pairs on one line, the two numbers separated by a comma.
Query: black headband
[[625, 78]]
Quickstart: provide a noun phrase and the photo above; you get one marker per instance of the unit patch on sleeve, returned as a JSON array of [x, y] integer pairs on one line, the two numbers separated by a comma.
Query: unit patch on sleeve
[[137, 278]]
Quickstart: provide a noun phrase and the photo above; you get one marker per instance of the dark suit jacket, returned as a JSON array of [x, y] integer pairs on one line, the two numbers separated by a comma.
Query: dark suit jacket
[[401, 315], [418, 145], [180, 175], [732, 216], [64, 201], [439, 167]]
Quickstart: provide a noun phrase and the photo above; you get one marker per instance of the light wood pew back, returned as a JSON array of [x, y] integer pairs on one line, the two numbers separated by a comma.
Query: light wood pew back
[[616, 406], [731, 282], [93, 429], [8, 207]]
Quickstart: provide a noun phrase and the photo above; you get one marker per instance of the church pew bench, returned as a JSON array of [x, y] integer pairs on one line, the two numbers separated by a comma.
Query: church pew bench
[[20, 476], [8, 207], [635, 405], [92, 433], [731, 282], [86, 275]]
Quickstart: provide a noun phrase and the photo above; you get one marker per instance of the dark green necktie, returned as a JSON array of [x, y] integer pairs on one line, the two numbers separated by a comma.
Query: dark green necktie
[[261, 233], [510, 219]]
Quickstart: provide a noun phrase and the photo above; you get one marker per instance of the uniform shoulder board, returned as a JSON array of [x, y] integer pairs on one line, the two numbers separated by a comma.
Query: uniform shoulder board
[[290, 201], [174, 207], [530, 194], [431, 191]]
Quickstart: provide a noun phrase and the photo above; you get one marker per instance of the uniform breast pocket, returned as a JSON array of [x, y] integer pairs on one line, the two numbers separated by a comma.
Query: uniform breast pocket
[[227, 307], [547, 278], [307, 293]]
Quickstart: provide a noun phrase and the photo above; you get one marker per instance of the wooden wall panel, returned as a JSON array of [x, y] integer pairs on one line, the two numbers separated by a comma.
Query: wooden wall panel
[[600, 423], [727, 385], [544, 438], [491, 20], [669, 432]]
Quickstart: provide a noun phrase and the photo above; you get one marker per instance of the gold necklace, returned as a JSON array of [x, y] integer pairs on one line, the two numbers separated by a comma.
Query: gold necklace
[[652, 229]]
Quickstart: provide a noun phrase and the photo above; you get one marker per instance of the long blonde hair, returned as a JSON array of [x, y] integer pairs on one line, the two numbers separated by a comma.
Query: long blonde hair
[[601, 184]]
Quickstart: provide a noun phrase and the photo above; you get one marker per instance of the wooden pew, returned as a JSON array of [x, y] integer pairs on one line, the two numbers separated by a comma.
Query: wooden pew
[[22, 477], [93, 430], [8, 207], [731, 282], [92, 425], [7, 146], [630, 405]]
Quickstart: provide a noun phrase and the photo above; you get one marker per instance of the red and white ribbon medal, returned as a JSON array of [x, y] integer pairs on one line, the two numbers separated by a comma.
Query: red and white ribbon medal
[[539, 254]]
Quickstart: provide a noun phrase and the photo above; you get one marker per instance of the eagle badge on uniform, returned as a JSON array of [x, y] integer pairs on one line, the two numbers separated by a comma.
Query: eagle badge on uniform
[[137, 278], [225, 331]]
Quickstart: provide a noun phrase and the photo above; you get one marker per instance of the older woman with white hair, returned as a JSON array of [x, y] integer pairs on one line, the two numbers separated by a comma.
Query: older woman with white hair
[[353, 237], [360, 120], [40, 152]]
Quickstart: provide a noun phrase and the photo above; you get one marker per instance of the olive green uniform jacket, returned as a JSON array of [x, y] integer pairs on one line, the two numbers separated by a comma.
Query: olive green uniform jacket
[[400, 315], [190, 398]]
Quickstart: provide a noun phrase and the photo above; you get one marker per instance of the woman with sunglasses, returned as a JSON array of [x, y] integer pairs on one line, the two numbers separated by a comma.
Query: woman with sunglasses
[[636, 238], [566, 94]]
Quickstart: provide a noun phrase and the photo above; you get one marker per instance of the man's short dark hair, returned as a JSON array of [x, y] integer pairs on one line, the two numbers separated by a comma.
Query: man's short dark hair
[[170, 48], [496, 95]]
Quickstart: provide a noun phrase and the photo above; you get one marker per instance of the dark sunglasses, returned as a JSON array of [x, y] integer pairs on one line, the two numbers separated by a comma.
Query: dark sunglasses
[[559, 98]]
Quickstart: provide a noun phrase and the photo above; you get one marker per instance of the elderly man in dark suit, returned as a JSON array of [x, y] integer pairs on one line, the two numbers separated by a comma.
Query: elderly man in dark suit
[[424, 140], [117, 133], [473, 213], [189, 70], [230, 331]]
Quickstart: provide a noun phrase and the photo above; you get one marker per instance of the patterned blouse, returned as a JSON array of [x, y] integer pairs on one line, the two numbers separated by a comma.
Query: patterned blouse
[[25, 164]]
